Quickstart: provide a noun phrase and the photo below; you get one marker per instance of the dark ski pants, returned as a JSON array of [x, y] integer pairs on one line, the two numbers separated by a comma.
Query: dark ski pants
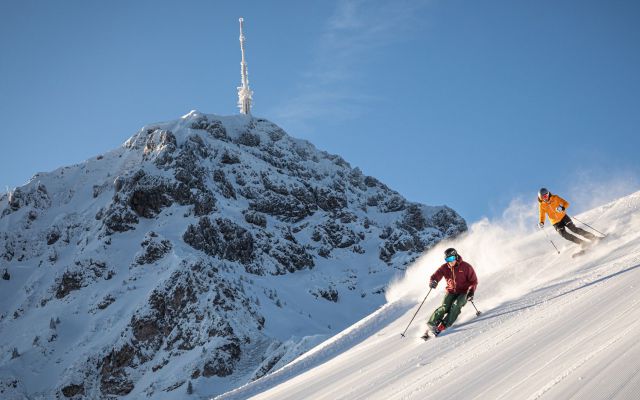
[[565, 223], [449, 310]]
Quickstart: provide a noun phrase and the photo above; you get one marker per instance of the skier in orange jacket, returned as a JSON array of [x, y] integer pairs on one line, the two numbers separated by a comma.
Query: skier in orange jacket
[[554, 206]]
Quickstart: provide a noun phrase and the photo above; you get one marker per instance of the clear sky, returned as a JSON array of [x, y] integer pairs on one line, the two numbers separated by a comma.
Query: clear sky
[[464, 103]]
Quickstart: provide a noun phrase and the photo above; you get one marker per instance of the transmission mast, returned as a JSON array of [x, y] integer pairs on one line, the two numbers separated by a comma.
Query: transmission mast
[[244, 93]]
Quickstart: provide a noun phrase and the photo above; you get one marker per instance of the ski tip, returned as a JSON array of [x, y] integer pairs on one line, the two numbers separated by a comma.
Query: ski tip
[[579, 253]]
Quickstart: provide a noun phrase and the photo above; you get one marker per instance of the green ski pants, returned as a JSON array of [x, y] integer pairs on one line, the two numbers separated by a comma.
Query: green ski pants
[[449, 310]]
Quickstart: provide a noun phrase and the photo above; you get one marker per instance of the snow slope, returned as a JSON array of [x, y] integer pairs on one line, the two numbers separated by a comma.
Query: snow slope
[[553, 327]]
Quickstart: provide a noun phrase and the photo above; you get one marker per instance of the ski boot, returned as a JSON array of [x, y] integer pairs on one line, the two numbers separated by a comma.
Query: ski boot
[[433, 330], [441, 327]]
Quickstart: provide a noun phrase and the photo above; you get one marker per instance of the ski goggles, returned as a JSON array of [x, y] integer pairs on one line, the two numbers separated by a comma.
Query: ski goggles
[[545, 196], [450, 259]]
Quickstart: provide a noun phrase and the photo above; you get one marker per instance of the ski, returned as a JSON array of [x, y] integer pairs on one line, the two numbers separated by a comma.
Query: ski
[[428, 336], [578, 253], [591, 244]]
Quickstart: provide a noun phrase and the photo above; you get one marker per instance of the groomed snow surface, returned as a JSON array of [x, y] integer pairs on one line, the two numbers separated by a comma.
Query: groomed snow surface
[[552, 327]]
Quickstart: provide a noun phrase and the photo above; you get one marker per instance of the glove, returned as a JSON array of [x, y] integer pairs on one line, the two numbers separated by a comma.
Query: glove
[[540, 225], [560, 209], [433, 284], [470, 295]]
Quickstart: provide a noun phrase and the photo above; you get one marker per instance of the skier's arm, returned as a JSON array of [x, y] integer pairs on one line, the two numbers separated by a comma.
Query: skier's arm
[[541, 214], [563, 202], [436, 277], [473, 279]]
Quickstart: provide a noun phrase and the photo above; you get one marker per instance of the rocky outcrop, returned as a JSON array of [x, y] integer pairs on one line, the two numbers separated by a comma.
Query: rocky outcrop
[[223, 360], [448, 222], [330, 293], [213, 127], [175, 318], [37, 197], [285, 208], [115, 369], [82, 273], [118, 217], [291, 257], [255, 218], [154, 249], [221, 238], [73, 390]]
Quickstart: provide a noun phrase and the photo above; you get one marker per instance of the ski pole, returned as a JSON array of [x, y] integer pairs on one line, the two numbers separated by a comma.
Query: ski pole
[[478, 312], [589, 226], [414, 315], [554, 245]]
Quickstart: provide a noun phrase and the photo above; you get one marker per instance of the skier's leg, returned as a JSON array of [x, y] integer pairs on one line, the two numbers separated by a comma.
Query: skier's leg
[[439, 313], [561, 229], [456, 307], [580, 231]]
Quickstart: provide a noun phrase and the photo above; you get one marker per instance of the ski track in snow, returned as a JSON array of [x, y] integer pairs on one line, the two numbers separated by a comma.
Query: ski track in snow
[[566, 373], [569, 329]]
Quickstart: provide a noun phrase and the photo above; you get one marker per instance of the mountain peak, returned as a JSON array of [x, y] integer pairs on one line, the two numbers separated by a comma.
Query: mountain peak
[[211, 248]]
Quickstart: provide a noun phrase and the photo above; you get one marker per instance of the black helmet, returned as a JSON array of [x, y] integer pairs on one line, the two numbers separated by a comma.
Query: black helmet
[[451, 252], [543, 194]]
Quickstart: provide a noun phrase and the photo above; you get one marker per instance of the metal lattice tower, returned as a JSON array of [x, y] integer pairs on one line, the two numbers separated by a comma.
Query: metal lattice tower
[[245, 95]]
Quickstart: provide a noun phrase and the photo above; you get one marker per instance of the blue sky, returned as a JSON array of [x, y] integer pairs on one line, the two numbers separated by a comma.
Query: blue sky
[[464, 103]]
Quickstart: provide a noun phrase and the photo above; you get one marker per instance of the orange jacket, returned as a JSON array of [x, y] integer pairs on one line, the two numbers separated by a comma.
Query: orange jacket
[[550, 207]]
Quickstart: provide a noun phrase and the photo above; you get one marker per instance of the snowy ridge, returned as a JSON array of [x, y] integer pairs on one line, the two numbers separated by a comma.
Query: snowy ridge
[[552, 327], [204, 253]]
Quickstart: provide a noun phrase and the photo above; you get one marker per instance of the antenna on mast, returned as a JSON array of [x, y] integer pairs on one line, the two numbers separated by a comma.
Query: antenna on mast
[[244, 93]]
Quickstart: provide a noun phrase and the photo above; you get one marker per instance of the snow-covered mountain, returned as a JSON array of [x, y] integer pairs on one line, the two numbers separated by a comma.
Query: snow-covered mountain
[[552, 327], [202, 254]]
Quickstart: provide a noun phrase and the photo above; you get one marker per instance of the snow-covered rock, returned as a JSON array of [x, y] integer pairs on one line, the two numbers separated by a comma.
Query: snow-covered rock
[[201, 254]]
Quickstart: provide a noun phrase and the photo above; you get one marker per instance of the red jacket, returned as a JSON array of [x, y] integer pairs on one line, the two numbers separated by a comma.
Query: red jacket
[[460, 278]]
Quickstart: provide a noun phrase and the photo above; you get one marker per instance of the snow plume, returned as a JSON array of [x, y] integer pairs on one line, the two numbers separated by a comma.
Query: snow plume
[[491, 246], [591, 188], [499, 249]]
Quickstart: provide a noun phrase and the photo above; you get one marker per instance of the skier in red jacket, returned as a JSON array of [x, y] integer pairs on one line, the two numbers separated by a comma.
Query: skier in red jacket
[[461, 286]]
